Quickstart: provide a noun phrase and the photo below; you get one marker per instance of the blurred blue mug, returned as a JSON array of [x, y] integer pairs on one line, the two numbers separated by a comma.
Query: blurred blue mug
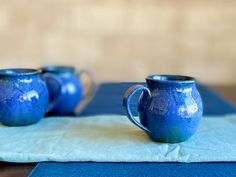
[[24, 97], [72, 90]]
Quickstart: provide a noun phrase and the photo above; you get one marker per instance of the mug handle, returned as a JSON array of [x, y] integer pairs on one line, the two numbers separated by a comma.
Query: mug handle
[[54, 102], [127, 101], [92, 84]]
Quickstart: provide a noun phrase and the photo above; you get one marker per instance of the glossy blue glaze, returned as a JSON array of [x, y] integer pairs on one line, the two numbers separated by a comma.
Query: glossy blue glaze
[[170, 107], [24, 97], [72, 89]]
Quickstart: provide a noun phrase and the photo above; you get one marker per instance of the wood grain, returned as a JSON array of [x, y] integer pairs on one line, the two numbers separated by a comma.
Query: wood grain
[[15, 169]]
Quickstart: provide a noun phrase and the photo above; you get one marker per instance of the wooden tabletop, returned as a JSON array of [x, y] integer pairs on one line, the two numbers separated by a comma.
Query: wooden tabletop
[[22, 170]]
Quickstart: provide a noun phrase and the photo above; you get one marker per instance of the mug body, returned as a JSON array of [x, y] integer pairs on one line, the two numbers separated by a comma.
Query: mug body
[[24, 97], [71, 89], [173, 111]]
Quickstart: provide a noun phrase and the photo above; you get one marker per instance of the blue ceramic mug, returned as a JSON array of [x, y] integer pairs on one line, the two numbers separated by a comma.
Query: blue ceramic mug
[[170, 107], [24, 97], [72, 88]]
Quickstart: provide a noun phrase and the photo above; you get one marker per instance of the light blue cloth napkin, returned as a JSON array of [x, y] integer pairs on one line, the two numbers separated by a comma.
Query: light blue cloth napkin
[[114, 139]]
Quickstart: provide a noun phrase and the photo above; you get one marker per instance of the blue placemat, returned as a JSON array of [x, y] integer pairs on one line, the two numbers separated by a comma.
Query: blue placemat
[[107, 100], [93, 169]]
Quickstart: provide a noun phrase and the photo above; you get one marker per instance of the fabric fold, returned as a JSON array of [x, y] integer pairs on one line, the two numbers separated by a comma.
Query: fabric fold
[[113, 138]]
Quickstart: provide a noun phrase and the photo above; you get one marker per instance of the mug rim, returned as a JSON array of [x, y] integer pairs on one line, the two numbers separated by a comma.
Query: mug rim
[[19, 72], [58, 69], [168, 78]]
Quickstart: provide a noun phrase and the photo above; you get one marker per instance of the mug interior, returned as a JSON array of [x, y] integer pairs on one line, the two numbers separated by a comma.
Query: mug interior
[[171, 78], [58, 69], [18, 72]]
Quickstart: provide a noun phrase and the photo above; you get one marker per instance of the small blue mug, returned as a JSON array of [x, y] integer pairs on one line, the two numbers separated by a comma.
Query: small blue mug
[[170, 107], [24, 97], [72, 88]]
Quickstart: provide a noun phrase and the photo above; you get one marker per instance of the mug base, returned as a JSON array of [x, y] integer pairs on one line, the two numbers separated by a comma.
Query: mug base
[[160, 140], [19, 124]]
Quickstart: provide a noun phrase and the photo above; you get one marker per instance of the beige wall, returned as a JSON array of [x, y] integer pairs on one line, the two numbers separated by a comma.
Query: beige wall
[[122, 39]]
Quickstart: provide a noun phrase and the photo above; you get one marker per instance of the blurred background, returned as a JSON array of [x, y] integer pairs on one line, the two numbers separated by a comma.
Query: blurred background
[[123, 40]]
